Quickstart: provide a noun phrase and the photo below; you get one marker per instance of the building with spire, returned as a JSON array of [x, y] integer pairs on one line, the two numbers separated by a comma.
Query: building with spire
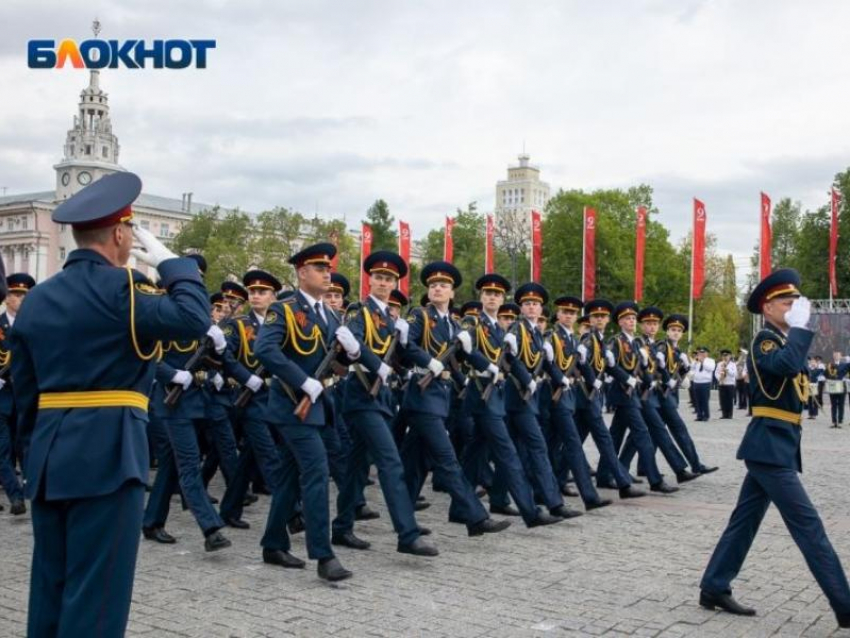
[[523, 191], [29, 240]]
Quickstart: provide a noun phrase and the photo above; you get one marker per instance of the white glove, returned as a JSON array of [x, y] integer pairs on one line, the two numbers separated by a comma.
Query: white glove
[[566, 382], [436, 367], [348, 342], [582, 353], [403, 329], [662, 361], [510, 342], [643, 357], [313, 389], [218, 381], [182, 377], [218, 339], [465, 341], [155, 251], [384, 371], [632, 382], [493, 369], [532, 387], [799, 314], [609, 358], [683, 358], [671, 384], [597, 385], [2, 383], [254, 383], [550, 352]]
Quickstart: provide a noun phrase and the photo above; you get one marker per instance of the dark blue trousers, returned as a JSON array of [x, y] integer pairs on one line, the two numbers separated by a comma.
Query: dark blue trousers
[[489, 438], [836, 405], [763, 485], [371, 436], [563, 426], [8, 479], [661, 440], [260, 447], [679, 431], [222, 446], [702, 393], [83, 564], [165, 484], [305, 459], [528, 438], [589, 421], [628, 418], [184, 446], [427, 440]]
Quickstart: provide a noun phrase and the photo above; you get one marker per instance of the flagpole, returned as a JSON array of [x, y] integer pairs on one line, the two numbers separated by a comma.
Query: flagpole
[[583, 249], [691, 296]]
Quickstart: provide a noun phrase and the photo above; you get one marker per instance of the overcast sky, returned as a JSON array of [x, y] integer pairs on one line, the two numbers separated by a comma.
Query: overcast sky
[[330, 105]]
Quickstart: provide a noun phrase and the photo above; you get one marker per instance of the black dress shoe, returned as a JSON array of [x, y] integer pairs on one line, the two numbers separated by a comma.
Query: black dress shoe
[[261, 489], [18, 508], [331, 569], [507, 510], [480, 492], [238, 523], [216, 541], [418, 548], [213, 499], [250, 499], [843, 620], [348, 539], [724, 602], [365, 513], [631, 492], [487, 526], [595, 505], [684, 476], [562, 511], [282, 558], [569, 490], [707, 470], [424, 531], [370, 481], [159, 535], [295, 524], [610, 485], [421, 505], [544, 518], [420, 498], [663, 488], [636, 480]]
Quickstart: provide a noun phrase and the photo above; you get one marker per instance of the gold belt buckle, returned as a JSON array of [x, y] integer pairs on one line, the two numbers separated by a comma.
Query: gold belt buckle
[[445, 375]]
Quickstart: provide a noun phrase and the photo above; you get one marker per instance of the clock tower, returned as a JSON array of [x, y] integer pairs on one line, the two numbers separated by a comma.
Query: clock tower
[[91, 150]]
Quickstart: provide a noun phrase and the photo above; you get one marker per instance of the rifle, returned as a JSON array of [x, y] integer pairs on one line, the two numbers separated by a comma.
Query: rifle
[[448, 353], [388, 356], [246, 393], [192, 365], [324, 370], [500, 363], [535, 374]]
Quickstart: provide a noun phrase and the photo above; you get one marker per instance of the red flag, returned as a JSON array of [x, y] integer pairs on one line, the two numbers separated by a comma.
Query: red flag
[[334, 237], [765, 245], [365, 250], [488, 246], [589, 256], [404, 251], [698, 250], [640, 246], [833, 243], [449, 246], [536, 246]]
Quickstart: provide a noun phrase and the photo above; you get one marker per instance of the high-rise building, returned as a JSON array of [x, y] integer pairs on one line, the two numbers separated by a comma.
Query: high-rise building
[[523, 191]]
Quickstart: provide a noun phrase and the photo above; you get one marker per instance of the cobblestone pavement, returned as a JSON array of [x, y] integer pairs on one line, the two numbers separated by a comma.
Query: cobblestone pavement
[[632, 568]]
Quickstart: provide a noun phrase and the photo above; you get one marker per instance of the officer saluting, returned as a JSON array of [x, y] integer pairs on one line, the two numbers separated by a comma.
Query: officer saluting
[[770, 449], [84, 351]]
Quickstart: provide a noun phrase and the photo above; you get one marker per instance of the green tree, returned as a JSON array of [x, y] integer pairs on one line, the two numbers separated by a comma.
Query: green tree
[[384, 234]]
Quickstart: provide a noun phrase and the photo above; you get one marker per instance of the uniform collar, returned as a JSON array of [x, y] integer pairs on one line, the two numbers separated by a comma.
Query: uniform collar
[[381, 305], [86, 254], [310, 300]]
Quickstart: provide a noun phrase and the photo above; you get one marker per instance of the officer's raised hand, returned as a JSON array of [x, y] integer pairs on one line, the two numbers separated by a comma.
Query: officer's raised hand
[[798, 316], [155, 251]]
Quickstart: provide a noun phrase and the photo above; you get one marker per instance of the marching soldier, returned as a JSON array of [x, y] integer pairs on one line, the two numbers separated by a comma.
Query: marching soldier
[[369, 413], [508, 313], [432, 331], [18, 285], [835, 373], [813, 373], [703, 371], [338, 291], [726, 374], [235, 295], [83, 359], [770, 450], [397, 303], [741, 380]]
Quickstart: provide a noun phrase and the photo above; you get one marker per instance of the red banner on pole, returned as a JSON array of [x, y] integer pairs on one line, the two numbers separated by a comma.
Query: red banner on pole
[[536, 246], [589, 255], [488, 246], [766, 243], [640, 246], [334, 237], [404, 252], [698, 249], [833, 243], [365, 251], [449, 247]]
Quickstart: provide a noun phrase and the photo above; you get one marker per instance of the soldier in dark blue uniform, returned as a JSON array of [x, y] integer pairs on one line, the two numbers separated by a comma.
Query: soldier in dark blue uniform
[[369, 413], [535, 357], [508, 313], [431, 332], [236, 297], [835, 374], [296, 335], [19, 284], [84, 349], [770, 449]]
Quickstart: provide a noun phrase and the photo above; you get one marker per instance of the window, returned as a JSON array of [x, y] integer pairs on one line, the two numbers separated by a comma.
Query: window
[[88, 149], [62, 228], [62, 254], [24, 222], [163, 232], [146, 224], [105, 151]]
